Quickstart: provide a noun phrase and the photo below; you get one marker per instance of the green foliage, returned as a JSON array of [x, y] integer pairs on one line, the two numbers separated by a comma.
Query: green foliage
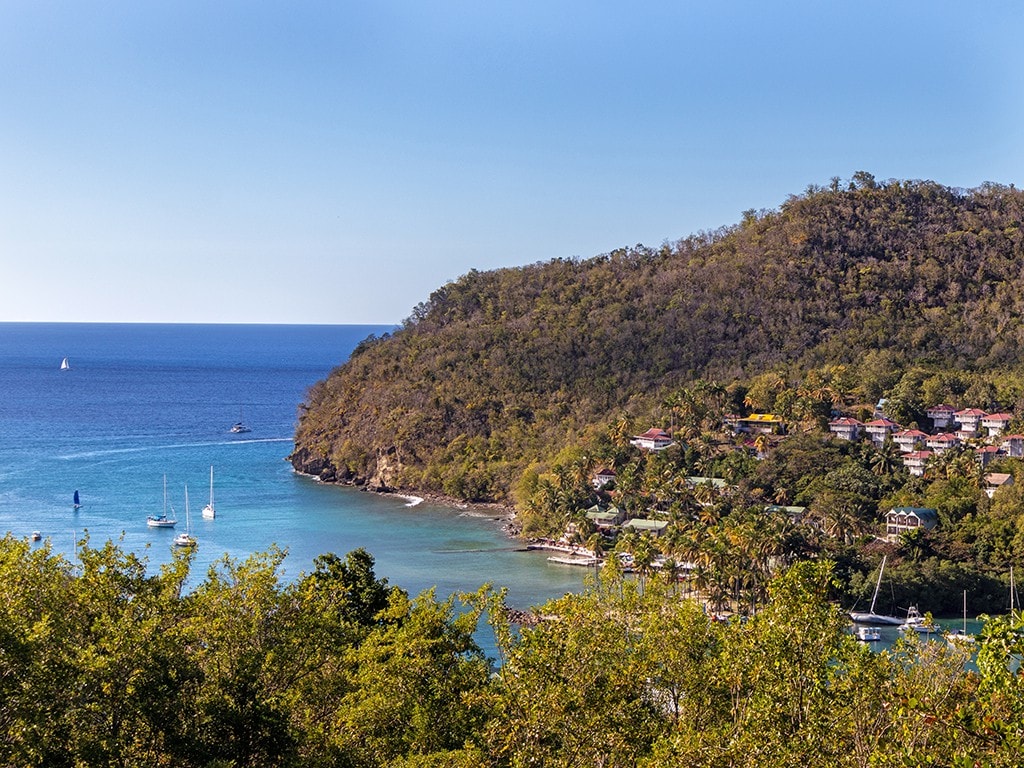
[[102, 663], [851, 292]]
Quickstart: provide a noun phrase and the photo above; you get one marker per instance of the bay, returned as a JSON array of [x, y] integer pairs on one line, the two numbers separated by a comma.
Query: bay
[[143, 402]]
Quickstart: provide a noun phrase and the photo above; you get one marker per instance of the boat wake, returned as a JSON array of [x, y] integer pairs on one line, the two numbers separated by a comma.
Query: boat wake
[[171, 447], [411, 501]]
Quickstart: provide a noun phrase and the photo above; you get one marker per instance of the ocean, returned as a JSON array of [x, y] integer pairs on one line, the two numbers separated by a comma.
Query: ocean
[[141, 403]]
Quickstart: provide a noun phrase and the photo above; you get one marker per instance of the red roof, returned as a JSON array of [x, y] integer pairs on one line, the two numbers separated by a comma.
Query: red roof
[[945, 437], [942, 408], [910, 433], [883, 422], [917, 455], [971, 412], [846, 421], [999, 417]]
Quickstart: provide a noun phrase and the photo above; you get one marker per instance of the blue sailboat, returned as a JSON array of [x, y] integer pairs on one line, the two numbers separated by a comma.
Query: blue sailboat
[[78, 500]]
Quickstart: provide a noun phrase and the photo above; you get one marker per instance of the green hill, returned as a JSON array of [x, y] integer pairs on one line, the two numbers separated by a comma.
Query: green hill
[[500, 369]]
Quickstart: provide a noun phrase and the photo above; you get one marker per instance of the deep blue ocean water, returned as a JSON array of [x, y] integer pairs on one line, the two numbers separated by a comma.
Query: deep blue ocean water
[[141, 402]]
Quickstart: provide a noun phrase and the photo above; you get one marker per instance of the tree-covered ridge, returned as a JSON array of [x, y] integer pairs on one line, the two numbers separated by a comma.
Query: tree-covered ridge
[[105, 664], [500, 369]]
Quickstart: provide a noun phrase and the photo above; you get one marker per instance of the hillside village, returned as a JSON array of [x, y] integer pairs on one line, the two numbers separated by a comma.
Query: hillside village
[[643, 529]]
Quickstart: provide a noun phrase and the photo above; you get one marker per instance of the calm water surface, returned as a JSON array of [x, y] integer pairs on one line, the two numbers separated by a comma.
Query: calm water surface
[[145, 402]]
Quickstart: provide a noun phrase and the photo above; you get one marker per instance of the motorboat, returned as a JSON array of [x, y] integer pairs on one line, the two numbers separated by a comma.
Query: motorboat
[[915, 622], [868, 634]]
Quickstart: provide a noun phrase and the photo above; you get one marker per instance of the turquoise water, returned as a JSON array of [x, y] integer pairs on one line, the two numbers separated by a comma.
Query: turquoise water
[[144, 402]]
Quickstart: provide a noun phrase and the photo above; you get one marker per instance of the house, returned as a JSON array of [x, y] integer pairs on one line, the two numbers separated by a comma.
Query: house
[[761, 424], [987, 453], [969, 421], [943, 442], [909, 440], [900, 520], [916, 461], [640, 525], [603, 477], [941, 415], [996, 423], [879, 429], [795, 514], [1013, 445], [996, 480], [653, 439], [846, 428], [603, 519]]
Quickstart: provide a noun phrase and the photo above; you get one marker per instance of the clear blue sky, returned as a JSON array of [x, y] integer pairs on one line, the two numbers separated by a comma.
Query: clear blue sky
[[335, 162]]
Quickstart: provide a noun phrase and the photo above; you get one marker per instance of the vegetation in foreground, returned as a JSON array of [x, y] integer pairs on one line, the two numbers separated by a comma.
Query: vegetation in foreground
[[104, 664]]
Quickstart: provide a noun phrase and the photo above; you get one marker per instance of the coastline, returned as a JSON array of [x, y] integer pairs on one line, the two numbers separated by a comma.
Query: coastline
[[503, 513]]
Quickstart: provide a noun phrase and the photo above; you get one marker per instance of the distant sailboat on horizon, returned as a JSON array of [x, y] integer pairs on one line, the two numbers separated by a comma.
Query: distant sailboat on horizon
[[77, 500], [65, 365]]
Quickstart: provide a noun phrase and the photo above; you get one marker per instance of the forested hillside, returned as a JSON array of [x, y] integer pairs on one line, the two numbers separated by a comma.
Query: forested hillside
[[501, 369]]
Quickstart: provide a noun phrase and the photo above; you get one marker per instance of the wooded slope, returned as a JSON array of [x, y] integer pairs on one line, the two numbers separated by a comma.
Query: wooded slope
[[503, 368]]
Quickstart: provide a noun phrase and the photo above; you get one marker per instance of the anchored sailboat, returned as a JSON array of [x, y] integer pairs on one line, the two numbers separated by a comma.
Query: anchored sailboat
[[186, 539], [870, 617], [161, 520], [209, 513]]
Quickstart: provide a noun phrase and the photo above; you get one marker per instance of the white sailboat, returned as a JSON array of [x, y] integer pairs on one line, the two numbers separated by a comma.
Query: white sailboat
[[65, 365], [209, 512], [161, 520], [870, 617], [961, 634], [186, 539]]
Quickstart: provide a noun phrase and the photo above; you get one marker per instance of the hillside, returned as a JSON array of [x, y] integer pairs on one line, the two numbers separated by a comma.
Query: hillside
[[500, 369]]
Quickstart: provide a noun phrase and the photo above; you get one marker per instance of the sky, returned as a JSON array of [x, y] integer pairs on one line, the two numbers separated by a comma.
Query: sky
[[337, 162]]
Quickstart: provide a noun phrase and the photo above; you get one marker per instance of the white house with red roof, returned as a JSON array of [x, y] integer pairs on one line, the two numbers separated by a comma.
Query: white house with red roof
[[879, 429], [846, 428], [603, 477], [915, 462], [996, 423], [969, 421], [1013, 445], [941, 415], [653, 439], [909, 439], [942, 442]]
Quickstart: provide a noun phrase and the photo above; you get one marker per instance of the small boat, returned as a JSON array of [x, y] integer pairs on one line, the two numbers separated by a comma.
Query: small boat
[[209, 513], [65, 365], [185, 539], [36, 536], [78, 500], [240, 426], [869, 616], [917, 623], [868, 634], [162, 520], [586, 560], [954, 636]]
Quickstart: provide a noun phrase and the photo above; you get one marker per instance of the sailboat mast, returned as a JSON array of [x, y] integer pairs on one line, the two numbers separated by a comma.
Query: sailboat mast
[[878, 584]]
